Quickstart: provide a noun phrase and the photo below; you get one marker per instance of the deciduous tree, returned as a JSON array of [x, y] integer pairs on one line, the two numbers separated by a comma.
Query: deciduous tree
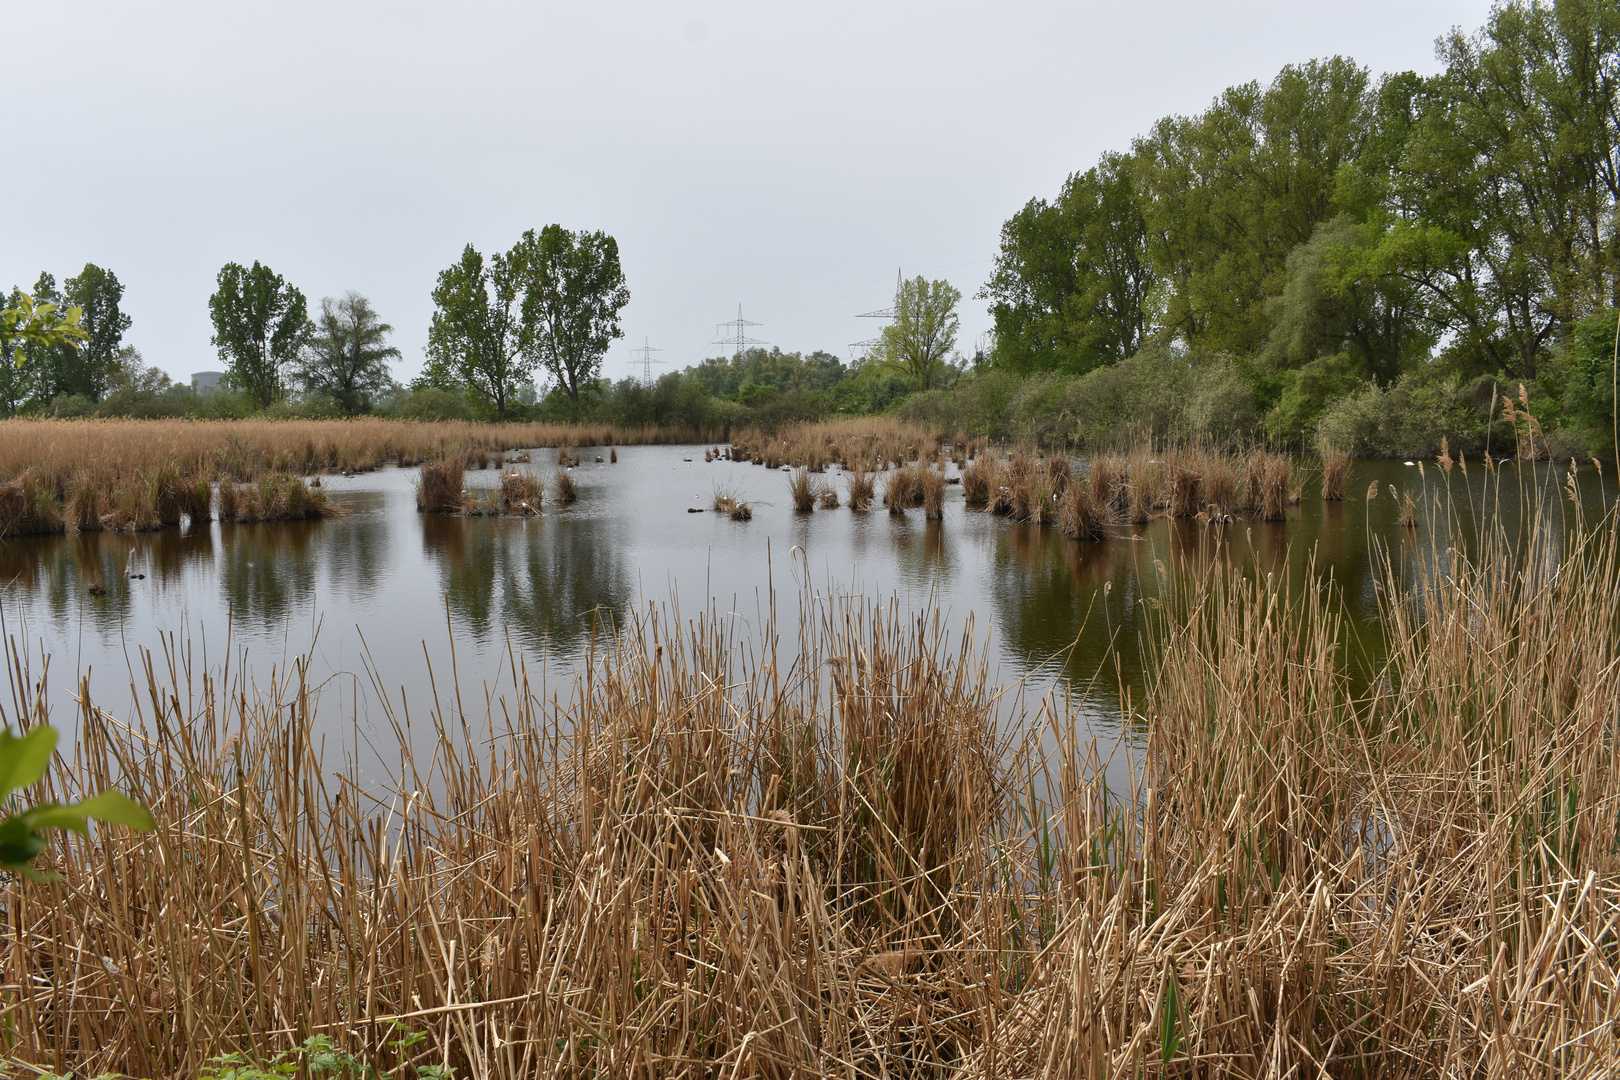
[[574, 290], [260, 324], [347, 355], [475, 342], [923, 332]]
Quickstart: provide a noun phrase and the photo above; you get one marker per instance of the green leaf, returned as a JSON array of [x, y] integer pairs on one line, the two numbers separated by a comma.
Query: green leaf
[[116, 808], [23, 758], [54, 816]]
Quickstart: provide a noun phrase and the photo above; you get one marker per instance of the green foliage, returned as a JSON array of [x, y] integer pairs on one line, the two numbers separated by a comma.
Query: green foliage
[[1410, 417], [1072, 280], [23, 760], [1340, 299], [475, 342], [1157, 393], [573, 291], [346, 358], [260, 325], [923, 332], [730, 377], [319, 1058], [1307, 393], [1589, 381], [32, 334], [1227, 194], [1327, 231], [432, 403]]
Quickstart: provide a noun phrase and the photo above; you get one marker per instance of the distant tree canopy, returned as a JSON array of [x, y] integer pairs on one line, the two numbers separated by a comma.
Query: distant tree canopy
[[551, 304], [923, 332], [346, 357], [731, 377], [1332, 218], [261, 323]]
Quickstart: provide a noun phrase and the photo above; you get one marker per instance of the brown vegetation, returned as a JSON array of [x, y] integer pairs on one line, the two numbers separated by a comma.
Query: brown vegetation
[[933, 494], [872, 441], [802, 489], [273, 497], [862, 487], [1336, 470], [147, 474], [714, 859], [566, 491], [439, 488], [521, 492]]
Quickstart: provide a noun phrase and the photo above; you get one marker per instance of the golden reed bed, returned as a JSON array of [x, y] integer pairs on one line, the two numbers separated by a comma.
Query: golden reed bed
[[724, 856], [57, 475]]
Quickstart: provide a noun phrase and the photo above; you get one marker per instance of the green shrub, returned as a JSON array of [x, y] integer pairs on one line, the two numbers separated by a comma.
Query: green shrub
[[1410, 417], [431, 403]]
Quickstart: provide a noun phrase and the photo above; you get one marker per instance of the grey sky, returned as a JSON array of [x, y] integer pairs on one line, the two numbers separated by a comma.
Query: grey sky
[[788, 158]]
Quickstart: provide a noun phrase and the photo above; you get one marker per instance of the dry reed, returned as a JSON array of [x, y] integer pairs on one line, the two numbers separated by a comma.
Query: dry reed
[[723, 857], [273, 497], [933, 494], [861, 486], [439, 487], [1336, 470], [1078, 516], [521, 492], [802, 489], [566, 491]]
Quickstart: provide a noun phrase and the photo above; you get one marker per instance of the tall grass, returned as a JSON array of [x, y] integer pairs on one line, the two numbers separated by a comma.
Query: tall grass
[[1336, 470], [802, 489], [439, 487], [861, 486], [872, 441], [567, 492], [521, 492], [723, 855], [131, 474], [246, 449]]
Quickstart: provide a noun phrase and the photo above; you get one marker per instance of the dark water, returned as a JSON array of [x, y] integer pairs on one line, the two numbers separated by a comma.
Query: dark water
[[387, 581]]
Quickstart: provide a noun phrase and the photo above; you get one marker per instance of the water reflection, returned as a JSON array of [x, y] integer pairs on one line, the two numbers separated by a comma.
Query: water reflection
[[546, 580], [267, 572], [386, 572]]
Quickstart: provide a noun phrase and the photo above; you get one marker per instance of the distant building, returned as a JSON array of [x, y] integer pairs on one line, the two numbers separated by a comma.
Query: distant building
[[206, 382]]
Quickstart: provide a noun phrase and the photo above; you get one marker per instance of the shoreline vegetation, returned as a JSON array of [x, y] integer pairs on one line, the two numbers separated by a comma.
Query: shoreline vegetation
[[58, 476], [857, 854]]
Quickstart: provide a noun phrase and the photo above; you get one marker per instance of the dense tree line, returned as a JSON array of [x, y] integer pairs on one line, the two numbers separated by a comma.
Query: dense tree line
[[1331, 231]]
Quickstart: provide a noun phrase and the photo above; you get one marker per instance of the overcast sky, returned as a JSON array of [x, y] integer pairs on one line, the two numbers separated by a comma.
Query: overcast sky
[[788, 158]]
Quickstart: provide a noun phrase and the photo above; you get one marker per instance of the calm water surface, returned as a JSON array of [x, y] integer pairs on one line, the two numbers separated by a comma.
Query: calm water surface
[[388, 582]]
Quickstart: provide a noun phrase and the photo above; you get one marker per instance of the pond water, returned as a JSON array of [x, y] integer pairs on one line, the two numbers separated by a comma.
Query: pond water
[[387, 583]]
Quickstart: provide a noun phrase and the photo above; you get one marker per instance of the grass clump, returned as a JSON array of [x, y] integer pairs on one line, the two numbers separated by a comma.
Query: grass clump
[[861, 486], [30, 505], [276, 497], [1078, 515], [802, 489], [521, 492], [1336, 470], [440, 486], [567, 492], [933, 494]]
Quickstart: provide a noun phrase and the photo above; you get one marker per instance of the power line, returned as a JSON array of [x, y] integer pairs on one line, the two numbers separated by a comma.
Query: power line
[[735, 333], [646, 361], [860, 350]]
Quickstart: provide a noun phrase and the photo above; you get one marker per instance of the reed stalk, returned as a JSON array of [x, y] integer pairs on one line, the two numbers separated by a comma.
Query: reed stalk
[[730, 851]]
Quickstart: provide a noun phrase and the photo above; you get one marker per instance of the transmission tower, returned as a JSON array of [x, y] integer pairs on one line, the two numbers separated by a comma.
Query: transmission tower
[[859, 350], [643, 356], [735, 333]]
